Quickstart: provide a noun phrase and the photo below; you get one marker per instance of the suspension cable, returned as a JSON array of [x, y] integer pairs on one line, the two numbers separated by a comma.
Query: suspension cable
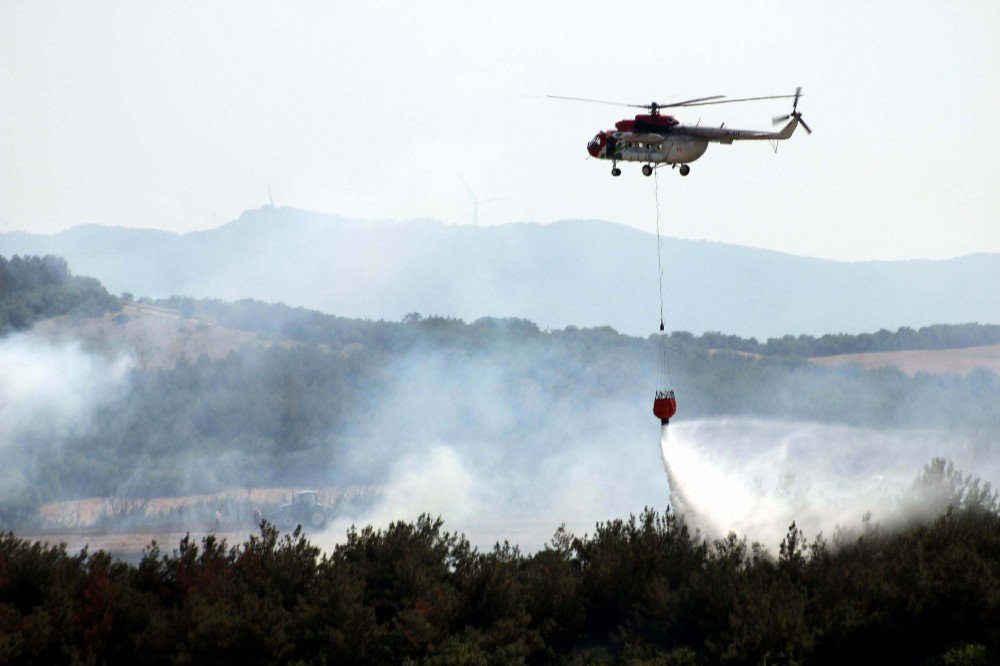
[[659, 240], [663, 367]]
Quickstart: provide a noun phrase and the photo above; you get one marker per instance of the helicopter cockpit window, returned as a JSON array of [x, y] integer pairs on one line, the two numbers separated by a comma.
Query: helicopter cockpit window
[[596, 141]]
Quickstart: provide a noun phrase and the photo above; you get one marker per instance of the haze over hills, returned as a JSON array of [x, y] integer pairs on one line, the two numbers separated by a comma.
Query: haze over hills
[[583, 273]]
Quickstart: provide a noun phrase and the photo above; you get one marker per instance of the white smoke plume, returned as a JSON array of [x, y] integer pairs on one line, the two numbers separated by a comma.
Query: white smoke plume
[[52, 389], [49, 392], [491, 502], [537, 460], [755, 477], [752, 477]]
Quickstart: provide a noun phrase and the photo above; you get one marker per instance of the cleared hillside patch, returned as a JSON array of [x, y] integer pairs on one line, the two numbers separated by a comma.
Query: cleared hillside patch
[[157, 337], [934, 361]]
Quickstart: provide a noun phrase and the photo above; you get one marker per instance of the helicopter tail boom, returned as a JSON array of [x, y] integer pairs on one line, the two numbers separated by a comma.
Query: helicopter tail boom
[[728, 135], [787, 130]]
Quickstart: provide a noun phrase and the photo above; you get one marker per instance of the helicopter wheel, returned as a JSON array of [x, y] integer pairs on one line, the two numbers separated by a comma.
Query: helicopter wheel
[[616, 172], [685, 169], [647, 170]]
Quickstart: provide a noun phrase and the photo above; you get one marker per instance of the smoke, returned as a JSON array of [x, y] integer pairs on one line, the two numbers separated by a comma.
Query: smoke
[[49, 392], [498, 457], [540, 460], [751, 477], [506, 443], [492, 501], [51, 389], [755, 477]]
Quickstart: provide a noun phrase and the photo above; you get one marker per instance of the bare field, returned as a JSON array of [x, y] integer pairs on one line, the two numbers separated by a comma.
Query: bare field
[[90, 522], [86, 513], [935, 361], [130, 543], [156, 336], [532, 532]]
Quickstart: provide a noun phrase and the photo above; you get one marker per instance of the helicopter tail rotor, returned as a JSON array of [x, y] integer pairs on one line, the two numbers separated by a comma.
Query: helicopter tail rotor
[[795, 112]]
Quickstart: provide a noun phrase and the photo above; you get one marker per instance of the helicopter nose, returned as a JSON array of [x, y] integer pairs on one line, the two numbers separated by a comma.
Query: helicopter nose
[[595, 145]]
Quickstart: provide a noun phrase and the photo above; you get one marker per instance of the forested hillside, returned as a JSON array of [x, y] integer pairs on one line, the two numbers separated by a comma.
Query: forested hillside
[[33, 288], [300, 324], [640, 590], [576, 272], [351, 395], [358, 394]]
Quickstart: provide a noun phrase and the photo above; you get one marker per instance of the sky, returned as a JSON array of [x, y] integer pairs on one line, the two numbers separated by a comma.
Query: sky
[[180, 116]]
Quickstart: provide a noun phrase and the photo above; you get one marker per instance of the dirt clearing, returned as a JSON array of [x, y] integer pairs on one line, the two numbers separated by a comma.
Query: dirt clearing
[[935, 361]]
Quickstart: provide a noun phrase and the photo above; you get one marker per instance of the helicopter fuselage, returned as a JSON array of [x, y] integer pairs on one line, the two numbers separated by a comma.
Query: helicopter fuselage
[[656, 138], [665, 141], [674, 147]]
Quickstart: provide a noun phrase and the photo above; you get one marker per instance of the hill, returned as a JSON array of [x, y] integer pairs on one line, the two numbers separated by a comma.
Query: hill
[[582, 273], [35, 288], [189, 397], [341, 401], [935, 361], [153, 336]]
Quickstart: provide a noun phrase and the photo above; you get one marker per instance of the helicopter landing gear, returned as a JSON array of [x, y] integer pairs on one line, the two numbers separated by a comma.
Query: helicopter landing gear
[[685, 169], [647, 170], [615, 171]]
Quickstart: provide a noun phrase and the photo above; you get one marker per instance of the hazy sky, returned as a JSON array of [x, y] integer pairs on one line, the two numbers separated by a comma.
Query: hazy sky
[[178, 116]]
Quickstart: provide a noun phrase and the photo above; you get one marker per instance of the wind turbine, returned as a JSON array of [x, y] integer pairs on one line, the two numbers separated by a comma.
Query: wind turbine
[[476, 201]]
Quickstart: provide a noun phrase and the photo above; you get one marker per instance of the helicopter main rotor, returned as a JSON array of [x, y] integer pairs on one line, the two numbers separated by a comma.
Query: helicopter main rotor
[[654, 107]]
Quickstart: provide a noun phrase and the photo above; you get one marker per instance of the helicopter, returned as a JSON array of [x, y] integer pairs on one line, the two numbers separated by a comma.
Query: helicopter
[[658, 139]]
